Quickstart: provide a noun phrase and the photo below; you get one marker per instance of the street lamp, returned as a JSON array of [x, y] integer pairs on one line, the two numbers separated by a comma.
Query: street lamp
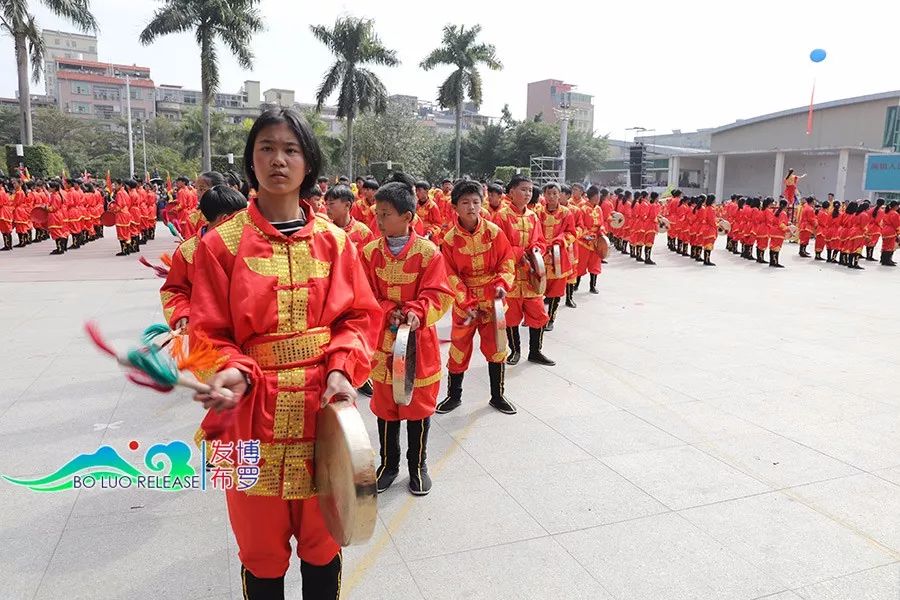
[[564, 114]]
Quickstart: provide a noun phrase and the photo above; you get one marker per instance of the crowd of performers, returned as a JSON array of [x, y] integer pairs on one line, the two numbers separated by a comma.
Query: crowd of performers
[[304, 298], [76, 210], [846, 232]]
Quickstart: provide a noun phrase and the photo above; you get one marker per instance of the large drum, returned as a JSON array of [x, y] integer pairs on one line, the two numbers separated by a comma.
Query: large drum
[[108, 219], [537, 274], [724, 226], [39, 216], [345, 473], [403, 365], [601, 246]]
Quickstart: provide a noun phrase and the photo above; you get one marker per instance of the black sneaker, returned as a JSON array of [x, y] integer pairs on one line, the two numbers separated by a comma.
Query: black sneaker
[[419, 480]]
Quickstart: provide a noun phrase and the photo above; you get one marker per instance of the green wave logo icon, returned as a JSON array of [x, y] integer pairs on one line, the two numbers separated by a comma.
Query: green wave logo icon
[[107, 463]]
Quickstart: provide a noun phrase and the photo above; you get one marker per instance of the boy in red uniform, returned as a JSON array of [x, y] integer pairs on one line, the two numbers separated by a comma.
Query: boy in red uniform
[[430, 213], [709, 229], [480, 267], [591, 229], [651, 227], [778, 223], [338, 201], [523, 230], [364, 209], [559, 230], [495, 199], [295, 338], [572, 250], [408, 277], [890, 228], [119, 206], [807, 225], [217, 204]]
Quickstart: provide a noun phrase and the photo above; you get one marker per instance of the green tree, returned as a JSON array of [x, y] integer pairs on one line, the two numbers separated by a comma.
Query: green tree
[[529, 139], [584, 153], [9, 127], [460, 48], [17, 20], [225, 137], [398, 136], [354, 43], [482, 151], [232, 21]]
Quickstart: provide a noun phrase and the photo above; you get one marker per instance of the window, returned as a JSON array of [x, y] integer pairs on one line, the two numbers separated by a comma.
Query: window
[[81, 89], [106, 93], [892, 129], [92, 49], [138, 113], [80, 108], [104, 111], [135, 93]]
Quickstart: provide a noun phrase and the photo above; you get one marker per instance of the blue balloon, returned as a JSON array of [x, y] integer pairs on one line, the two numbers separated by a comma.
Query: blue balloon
[[817, 55]]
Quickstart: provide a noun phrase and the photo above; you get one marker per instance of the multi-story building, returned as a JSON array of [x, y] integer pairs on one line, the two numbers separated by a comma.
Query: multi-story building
[[64, 44], [95, 90], [172, 101], [549, 94]]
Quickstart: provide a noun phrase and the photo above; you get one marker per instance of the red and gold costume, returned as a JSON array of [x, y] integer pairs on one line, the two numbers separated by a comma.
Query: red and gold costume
[[777, 222], [525, 234], [57, 217], [823, 222], [890, 227], [761, 229], [7, 208], [432, 218], [873, 227], [708, 228], [591, 227], [123, 215], [559, 230], [365, 212], [790, 188], [22, 212], [175, 293], [477, 264], [359, 234], [651, 226], [286, 311], [414, 281], [807, 224]]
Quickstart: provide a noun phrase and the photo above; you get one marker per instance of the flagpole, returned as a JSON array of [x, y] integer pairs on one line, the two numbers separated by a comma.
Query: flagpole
[[130, 140]]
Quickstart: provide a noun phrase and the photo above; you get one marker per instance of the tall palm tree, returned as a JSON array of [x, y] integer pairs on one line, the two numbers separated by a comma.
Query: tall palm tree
[[354, 42], [16, 20], [460, 48], [232, 21]]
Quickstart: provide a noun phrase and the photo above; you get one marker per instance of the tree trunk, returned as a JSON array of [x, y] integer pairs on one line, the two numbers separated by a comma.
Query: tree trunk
[[350, 147], [206, 144], [24, 89], [458, 134]]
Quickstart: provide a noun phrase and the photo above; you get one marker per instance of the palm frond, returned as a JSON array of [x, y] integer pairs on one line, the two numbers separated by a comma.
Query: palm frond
[[473, 86], [77, 11], [332, 78], [172, 18], [35, 47], [485, 53], [450, 93], [438, 56], [209, 65]]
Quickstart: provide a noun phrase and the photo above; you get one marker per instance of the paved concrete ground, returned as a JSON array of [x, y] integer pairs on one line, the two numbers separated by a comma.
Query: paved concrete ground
[[727, 433]]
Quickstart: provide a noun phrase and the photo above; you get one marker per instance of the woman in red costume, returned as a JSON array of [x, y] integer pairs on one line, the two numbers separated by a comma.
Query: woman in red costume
[[778, 223], [283, 295], [790, 185]]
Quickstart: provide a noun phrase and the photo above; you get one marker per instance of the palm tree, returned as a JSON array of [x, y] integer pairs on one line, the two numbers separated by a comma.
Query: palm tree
[[460, 49], [354, 42], [232, 21], [16, 20]]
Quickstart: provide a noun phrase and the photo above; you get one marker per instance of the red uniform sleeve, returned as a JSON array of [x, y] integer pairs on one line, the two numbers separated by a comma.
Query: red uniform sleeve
[[175, 293]]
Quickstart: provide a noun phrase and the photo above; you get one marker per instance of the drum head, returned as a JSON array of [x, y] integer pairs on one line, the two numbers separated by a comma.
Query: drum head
[[500, 324], [602, 247], [724, 226], [616, 220], [556, 255], [403, 365], [108, 219], [345, 474]]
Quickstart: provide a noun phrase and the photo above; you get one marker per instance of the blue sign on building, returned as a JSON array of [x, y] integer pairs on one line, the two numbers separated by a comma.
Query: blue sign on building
[[882, 173]]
